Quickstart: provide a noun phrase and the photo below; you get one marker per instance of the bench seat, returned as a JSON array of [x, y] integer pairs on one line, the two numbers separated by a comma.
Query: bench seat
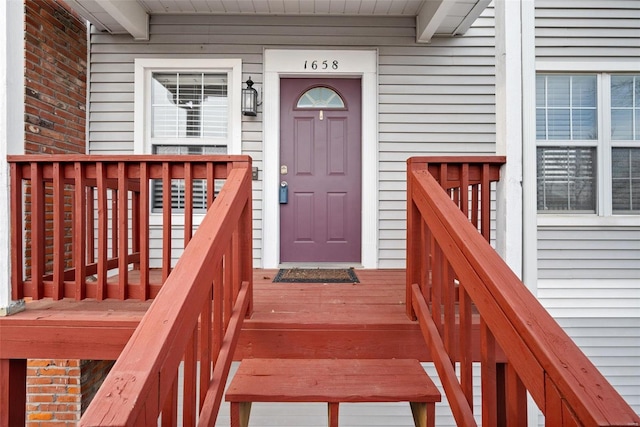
[[333, 381]]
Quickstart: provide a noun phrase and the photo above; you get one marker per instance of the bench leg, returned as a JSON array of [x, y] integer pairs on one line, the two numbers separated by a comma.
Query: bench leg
[[333, 414], [240, 412], [423, 414]]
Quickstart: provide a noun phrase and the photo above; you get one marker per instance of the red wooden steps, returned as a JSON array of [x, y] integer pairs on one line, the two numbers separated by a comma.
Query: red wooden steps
[[332, 381]]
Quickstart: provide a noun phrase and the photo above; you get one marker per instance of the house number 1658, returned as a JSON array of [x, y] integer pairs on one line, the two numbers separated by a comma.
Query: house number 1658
[[320, 65]]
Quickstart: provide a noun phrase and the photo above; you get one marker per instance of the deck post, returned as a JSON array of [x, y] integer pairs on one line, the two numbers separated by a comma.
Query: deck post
[[13, 392]]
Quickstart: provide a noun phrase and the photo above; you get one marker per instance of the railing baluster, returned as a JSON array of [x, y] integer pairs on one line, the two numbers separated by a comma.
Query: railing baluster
[[170, 407], [466, 345], [489, 376], [114, 223], [485, 200], [37, 231], [218, 308], [206, 329], [123, 235], [17, 232], [80, 232], [228, 285], [58, 232], [144, 230], [515, 397], [188, 203], [437, 277], [166, 220], [189, 385], [103, 231]]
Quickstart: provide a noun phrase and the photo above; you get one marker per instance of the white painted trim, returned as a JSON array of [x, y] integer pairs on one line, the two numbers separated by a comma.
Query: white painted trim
[[509, 133], [529, 173], [290, 63], [11, 131], [130, 15], [587, 66], [431, 15], [143, 67], [586, 220]]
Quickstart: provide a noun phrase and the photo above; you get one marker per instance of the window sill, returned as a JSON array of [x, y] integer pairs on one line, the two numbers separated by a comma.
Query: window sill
[[587, 220]]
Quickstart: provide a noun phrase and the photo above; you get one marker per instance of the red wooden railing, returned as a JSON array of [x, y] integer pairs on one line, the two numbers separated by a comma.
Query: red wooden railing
[[194, 320], [455, 280], [77, 220]]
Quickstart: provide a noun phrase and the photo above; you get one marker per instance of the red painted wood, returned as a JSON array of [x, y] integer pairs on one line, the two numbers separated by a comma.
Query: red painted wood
[[123, 230], [213, 399], [58, 233], [145, 184], [536, 346], [205, 347], [516, 399], [461, 409], [466, 345], [188, 203], [37, 232], [488, 377], [17, 233], [13, 392], [189, 405], [146, 369], [166, 220], [331, 380], [103, 232], [79, 232]]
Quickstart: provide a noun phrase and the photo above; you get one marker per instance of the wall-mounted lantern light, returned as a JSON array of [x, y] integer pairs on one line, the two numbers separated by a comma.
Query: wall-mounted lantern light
[[249, 99]]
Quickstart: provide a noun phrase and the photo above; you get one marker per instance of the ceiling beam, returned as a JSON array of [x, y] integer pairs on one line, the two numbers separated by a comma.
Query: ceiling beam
[[130, 15], [471, 17], [431, 15]]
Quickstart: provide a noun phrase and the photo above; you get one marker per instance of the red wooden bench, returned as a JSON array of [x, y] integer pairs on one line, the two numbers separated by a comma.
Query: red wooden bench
[[332, 381]]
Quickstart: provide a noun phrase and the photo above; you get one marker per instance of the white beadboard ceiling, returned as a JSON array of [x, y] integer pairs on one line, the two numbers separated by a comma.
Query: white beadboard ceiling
[[433, 17]]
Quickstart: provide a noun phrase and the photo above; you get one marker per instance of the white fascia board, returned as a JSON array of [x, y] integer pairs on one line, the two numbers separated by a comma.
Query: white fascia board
[[430, 17], [471, 17], [130, 15]]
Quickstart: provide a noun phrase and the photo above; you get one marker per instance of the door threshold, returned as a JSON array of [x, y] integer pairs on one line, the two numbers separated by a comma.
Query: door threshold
[[319, 265]]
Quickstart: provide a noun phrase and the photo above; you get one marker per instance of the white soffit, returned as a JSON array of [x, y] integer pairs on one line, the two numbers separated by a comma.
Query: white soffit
[[433, 17]]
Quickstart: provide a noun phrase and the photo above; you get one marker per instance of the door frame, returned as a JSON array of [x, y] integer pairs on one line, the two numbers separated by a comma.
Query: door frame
[[291, 63]]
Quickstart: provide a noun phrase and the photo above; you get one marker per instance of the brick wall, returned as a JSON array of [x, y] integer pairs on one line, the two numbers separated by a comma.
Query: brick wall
[[55, 78], [58, 391]]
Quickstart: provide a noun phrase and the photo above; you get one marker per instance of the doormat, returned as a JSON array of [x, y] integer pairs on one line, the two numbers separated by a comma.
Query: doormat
[[316, 275]]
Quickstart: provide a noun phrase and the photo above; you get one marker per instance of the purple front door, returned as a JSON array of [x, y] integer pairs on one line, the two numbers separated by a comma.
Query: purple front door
[[320, 169]]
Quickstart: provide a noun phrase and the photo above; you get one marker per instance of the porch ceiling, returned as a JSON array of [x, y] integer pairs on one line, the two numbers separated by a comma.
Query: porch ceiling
[[432, 17]]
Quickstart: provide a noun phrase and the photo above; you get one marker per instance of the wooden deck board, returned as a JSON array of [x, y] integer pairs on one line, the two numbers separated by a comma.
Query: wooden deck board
[[365, 320]]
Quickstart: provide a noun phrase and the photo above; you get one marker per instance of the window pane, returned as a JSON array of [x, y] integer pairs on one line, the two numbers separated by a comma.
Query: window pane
[[622, 91], [558, 91], [566, 179], [320, 97], [189, 105], [558, 124], [566, 107], [584, 124], [625, 165], [625, 111], [621, 124]]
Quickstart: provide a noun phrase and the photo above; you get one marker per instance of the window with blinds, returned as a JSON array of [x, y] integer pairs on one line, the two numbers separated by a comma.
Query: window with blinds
[[573, 138], [189, 114]]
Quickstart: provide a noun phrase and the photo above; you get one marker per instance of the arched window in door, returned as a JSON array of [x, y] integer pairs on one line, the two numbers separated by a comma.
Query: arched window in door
[[320, 97]]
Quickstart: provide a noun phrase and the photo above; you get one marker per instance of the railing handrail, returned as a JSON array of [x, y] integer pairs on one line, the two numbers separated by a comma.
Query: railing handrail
[[543, 355], [144, 375]]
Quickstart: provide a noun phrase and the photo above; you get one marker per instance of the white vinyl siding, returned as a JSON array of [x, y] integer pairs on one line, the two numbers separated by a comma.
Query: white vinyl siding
[[434, 99], [589, 265]]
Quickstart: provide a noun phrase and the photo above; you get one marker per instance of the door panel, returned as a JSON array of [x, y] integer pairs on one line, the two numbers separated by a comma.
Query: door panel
[[321, 149]]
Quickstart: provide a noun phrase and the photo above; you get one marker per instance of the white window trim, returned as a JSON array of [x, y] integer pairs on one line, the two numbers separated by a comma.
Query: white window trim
[[604, 211], [290, 63], [143, 67]]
